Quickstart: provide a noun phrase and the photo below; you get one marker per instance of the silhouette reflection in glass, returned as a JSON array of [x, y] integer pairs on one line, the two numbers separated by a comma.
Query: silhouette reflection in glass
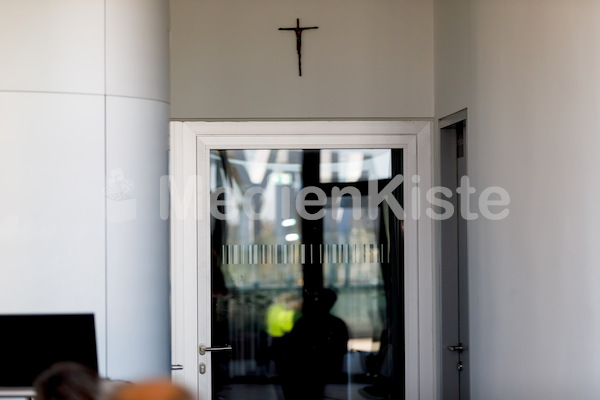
[[314, 351]]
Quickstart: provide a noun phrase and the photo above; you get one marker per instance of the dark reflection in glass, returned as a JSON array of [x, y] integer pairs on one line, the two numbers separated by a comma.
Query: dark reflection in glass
[[314, 352], [311, 306]]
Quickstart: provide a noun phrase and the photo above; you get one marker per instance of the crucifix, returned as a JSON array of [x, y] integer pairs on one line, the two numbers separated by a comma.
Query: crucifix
[[298, 31]]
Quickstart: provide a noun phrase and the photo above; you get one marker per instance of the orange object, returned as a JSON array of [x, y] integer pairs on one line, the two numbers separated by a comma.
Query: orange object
[[152, 390]]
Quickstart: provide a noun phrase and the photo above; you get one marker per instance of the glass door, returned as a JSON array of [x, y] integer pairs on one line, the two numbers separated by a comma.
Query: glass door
[[307, 275]]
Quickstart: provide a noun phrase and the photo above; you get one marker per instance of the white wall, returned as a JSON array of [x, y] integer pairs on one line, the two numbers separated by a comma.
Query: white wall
[[84, 93], [534, 106], [367, 59]]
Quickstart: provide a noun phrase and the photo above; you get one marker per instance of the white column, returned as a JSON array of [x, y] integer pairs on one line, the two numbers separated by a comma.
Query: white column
[[137, 113], [84, 103]]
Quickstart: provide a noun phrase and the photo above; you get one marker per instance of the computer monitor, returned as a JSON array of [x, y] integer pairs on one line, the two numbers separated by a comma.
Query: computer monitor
[[29, 344]]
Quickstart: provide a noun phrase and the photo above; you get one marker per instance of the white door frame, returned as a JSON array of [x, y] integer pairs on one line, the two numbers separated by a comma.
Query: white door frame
[[189, 167]]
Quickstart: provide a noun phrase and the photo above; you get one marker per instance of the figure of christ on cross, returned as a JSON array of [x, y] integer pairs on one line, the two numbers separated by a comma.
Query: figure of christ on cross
[[298, 31]]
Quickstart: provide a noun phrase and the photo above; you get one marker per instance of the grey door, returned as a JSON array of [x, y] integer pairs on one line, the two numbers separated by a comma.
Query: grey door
[[454, 275]]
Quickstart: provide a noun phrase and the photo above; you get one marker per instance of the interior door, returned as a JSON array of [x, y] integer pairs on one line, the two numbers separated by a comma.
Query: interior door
[[247, 265], [306, 272], [454, 277]]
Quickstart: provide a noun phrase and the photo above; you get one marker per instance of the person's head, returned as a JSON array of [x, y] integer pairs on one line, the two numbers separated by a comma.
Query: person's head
[[319, 301], [152, 390], [67, 381]]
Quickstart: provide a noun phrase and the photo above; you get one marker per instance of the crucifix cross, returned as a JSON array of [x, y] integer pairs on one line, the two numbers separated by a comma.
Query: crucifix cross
[[298, 31]]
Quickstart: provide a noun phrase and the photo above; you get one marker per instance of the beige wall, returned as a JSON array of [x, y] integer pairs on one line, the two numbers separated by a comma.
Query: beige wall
[[533, 92], [452, 44], [367, 59], [528, 72]]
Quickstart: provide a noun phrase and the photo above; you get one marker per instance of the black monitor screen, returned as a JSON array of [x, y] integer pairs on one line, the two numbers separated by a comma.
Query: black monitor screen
[[29, 344]]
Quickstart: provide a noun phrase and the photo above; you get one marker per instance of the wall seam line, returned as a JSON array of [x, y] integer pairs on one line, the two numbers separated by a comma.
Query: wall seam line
[[137, 97], [105, 212], [86, 94]]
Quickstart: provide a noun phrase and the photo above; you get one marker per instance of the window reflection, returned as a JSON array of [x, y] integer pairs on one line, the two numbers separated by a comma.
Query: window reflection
[[290, 292]]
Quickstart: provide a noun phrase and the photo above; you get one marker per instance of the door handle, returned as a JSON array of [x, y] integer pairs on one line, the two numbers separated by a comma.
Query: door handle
[[459, 347], [203, 349]]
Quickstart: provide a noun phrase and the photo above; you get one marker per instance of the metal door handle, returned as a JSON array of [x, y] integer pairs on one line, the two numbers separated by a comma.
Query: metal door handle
[[458, 348], [204, 349]]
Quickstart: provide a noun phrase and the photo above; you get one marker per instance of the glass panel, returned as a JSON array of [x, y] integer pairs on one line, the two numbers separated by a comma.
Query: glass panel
[[353, 165], [306, 275]]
